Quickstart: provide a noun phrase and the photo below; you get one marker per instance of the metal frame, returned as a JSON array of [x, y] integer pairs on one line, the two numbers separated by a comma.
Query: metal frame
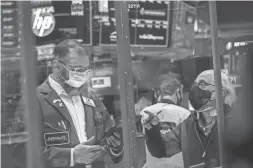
[[126, 84], [91, 19], [217, 77], [28, 68]]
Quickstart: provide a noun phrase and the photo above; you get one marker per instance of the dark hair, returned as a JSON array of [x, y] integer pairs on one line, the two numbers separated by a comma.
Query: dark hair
[[64, 48]]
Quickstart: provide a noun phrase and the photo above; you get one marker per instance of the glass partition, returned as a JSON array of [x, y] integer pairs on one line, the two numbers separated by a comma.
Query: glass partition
[[128, 46]]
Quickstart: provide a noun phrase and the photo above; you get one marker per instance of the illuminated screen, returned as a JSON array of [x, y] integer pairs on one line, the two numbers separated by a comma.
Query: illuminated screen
[[101, 82], [10, 36], [73, 21], [148, 23]]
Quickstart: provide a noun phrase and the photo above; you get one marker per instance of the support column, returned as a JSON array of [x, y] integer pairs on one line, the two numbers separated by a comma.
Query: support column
[[126, 84], [28, 67], [217, 77]]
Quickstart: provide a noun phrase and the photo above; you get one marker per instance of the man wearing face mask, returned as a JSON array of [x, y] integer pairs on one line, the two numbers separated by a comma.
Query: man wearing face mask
[[73, 119], [169, 95], [197, 136]]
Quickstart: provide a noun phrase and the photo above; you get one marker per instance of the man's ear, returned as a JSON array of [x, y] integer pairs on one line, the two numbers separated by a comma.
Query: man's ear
[[55, 63], [182, 91], [179, 93], [157, 93]]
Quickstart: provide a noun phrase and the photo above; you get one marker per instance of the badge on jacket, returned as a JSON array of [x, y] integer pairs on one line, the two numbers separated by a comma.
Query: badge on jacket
[[56, 138], [88, 101]]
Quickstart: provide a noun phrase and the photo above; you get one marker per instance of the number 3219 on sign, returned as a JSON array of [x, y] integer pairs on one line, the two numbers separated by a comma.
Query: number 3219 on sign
[[133, 5]]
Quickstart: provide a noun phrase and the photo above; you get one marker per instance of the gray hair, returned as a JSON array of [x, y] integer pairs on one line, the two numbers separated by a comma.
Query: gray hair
[[169, 83], [64, 48]]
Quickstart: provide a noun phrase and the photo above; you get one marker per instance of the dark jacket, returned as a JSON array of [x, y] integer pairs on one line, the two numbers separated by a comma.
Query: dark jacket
[[187, 138], [53, 112]]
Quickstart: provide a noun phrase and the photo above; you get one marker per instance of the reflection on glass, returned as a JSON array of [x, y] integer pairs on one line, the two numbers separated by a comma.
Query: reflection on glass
[[150, 30], [11, 82], [69, 24]]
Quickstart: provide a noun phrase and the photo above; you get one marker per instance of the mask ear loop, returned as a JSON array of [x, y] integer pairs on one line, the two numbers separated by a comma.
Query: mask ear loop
[[60, 72], [181, 92], [62, 76], [197, 115], [157, 93]]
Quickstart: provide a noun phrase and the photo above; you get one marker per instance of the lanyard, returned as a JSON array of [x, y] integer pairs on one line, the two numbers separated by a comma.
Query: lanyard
[[204, 148]]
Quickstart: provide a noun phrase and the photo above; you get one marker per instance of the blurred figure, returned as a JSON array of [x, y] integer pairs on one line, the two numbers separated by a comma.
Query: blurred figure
[[169, 96], [197, 136], [239, 135]]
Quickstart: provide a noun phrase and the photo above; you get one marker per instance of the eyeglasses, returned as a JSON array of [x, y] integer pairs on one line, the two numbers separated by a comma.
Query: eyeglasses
[[80, 69], [203, 84]]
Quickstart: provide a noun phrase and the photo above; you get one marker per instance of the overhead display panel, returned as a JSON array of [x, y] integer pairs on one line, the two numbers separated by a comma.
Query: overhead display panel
[[148, 22], [72, 21], [10, 43]]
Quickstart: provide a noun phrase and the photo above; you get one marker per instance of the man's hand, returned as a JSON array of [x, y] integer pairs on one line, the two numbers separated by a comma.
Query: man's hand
[[87, 152], [149, 119], [113, 140]]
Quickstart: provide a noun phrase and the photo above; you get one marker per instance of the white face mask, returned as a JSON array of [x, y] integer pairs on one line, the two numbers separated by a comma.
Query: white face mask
[[77, 79]]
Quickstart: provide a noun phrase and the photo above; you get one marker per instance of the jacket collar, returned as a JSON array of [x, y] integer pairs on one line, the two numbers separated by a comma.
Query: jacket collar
[[54, 99], [46, 89], [56, 86], [168, 101]]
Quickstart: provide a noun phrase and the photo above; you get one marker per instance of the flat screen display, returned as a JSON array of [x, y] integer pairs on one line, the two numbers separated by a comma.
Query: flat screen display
[[101, 82], [148, 23], [10, 34], [73, 21]]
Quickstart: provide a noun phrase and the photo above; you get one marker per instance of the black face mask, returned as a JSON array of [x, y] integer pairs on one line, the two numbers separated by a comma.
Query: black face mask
[[198, 97]]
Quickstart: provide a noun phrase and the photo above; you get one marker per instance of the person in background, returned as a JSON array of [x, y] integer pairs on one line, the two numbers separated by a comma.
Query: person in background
[[73, 119], [197, 136], [169, 96]]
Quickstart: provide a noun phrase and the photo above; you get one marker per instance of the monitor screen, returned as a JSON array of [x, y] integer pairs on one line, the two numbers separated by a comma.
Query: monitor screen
[[73, 21]]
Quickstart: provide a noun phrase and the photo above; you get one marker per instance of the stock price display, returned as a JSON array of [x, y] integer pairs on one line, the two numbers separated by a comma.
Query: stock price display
[[148, 22], [10, 27]]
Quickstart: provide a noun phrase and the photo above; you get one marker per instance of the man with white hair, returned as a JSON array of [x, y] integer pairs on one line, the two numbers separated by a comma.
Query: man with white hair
[[197, 136], [169, 95]]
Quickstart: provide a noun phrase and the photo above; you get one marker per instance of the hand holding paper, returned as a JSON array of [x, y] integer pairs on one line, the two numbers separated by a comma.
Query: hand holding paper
[[149, 119]]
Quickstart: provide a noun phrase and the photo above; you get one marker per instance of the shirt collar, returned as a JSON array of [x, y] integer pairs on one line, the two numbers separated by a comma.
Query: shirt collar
[[56, 86]]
